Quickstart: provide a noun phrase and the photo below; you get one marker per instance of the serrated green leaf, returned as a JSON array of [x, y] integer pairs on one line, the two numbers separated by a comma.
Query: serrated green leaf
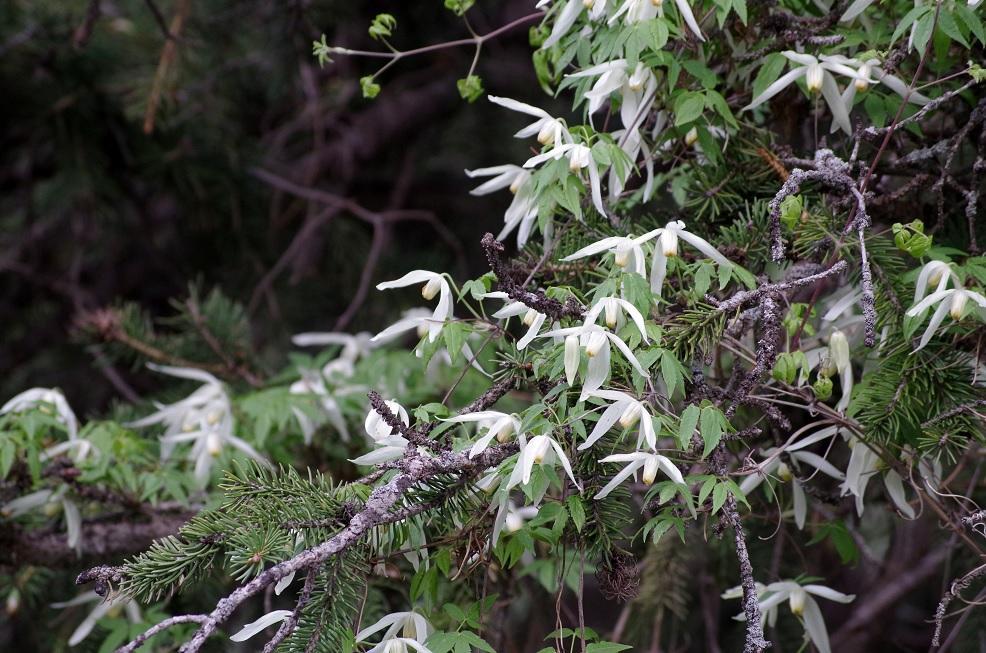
[[686, 427]]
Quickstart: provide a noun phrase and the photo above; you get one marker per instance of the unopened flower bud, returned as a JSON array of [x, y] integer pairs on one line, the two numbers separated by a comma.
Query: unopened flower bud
[[540, 448], [579, 157], [959, 299], [631, 415], [573, 356], [530, 316], [636, 80], [516, 184], [814, 78], [784, 472], [597, 340], [431, 288], [839, 350]]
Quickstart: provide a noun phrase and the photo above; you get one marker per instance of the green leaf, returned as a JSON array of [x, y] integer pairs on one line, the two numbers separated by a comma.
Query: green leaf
[[771, 69], [949, 27], [711, 426], [688, 107], [455, 334], [576, 509], [606, 647], [382, 25], [370, 90], [459, 7], [470, 88], [454, 611], [908, 19], [719, 495], [686, 427], [441, 642], [476, 641], [637, 291]]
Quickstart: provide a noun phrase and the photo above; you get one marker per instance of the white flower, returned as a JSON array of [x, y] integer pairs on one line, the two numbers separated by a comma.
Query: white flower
[[411, 626], [44, 399], [802, 604], [354, 347], [568, 15], [204, 418], [839, 358], [668, 248], [934, 273], [106, 607], [502, 428], [613, 78], [548, 128], [611, 308], [51, 502], [638, 11], [819, 77], [627, 252], [596, 341], [377, 428], [434, 284], [796, 455], [533, 319], [251, 629], [312, 383], [955, 308], [523, 211], [541, 449], [650, 462], [863, 464], [579, 157], [627, 411]]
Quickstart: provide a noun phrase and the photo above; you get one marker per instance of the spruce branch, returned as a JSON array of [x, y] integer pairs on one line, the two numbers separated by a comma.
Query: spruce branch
[[377, 511]]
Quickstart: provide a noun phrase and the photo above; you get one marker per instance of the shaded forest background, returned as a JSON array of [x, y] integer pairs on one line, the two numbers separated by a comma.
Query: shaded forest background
[[150, 144]]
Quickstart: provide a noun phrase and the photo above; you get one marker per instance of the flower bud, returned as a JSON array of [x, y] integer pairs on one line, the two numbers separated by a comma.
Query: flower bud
[[823, 387], [573, 356], [650, 470], [631, 415], [431, 288], [213, 416], [588, 3], [530, 316], [636, 80], [597, 340], [518, 181], [814, 78], [784, 472], [863, 81], [959, 299], [839, 350], [657, 3]]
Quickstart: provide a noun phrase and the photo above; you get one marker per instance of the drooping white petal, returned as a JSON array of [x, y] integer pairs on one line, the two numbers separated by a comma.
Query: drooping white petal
[[783, 82], [251, 629]]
